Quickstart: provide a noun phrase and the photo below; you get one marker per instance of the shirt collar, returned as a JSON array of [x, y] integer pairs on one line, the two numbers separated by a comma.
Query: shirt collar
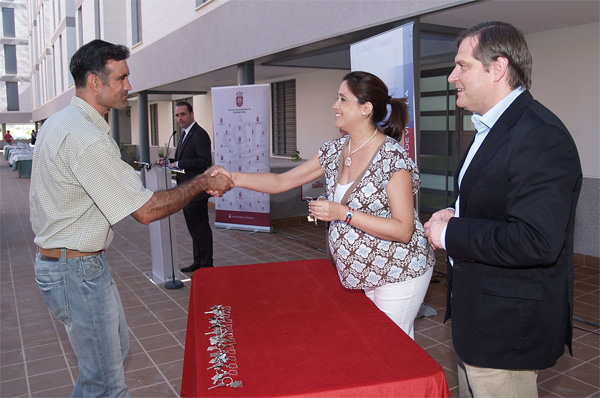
[[92, 113], [189, 128], [487, 121]]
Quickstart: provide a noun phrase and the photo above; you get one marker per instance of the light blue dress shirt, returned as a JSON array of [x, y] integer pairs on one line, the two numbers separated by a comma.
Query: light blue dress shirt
[[483, 125]]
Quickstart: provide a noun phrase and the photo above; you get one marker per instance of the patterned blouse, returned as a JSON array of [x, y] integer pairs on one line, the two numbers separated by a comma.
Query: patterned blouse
[[363, 260]]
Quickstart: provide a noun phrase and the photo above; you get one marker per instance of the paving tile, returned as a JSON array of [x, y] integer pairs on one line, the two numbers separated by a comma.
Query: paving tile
[[143, 377], [50, 380], [12, 372], [566, 386], [162, 390], [14, 388]]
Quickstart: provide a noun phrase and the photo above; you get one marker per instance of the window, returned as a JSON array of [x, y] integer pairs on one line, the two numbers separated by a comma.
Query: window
[[200, 2], [283, 103], [60, 64], [12, 96], [50, 79], [80, 26], [154, 124], [97, 30], [136, 22], [54, 21], [8, 22], [10, 59]]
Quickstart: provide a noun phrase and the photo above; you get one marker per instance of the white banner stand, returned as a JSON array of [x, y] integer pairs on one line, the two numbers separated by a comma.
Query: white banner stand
[[163, 244]]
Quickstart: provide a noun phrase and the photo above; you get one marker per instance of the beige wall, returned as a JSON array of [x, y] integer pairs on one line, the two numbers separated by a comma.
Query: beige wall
[[566, 70], [315, 95], [203, 115]]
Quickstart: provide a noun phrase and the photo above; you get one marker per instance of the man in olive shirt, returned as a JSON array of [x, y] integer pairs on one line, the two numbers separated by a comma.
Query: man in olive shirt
[[80, 188]]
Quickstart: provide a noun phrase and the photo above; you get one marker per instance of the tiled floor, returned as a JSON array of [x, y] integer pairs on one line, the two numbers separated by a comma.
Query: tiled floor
[[36, 359]]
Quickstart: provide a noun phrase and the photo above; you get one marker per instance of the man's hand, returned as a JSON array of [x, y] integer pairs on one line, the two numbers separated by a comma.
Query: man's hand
[[435, 226], [163, 162], [220, 173], [218, 181], [213, 171], [442, 215]]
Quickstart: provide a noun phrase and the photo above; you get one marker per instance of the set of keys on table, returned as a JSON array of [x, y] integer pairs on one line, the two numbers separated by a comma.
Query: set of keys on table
[[222, 348]]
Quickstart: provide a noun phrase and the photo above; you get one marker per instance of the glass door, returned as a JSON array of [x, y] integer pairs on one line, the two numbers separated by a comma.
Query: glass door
[[446, 133]]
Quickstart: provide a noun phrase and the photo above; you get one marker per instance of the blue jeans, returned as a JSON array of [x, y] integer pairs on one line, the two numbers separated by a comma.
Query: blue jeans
[[82, 294]]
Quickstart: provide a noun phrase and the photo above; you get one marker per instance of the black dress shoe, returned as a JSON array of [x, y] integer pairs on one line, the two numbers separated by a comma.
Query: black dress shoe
[[191, 268]]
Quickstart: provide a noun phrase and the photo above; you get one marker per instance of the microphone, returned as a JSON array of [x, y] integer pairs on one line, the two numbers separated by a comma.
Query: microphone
[[174, 283], [169, 143]]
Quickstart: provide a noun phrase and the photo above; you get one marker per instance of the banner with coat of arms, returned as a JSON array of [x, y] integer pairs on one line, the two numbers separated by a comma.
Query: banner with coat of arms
[[389, 56], [242, 126]]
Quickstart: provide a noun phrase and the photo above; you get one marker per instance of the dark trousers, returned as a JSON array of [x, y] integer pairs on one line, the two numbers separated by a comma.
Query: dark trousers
[[196, 218]]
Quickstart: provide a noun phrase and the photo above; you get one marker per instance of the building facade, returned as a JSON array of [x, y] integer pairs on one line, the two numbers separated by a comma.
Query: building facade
[[15, 86], [183, 48]]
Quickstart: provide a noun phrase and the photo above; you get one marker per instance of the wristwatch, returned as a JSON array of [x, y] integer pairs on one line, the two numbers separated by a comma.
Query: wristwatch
[[349, 215]]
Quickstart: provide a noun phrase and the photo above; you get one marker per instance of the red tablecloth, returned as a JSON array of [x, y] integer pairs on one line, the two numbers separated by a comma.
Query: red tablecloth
[[299, 332]]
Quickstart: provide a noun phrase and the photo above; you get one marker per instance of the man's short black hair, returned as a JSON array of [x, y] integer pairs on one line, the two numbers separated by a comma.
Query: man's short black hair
[[186, 104], [93, 57]]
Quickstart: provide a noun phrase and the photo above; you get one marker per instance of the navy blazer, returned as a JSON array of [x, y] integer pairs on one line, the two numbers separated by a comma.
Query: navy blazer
[[194, 154], [510, 293]]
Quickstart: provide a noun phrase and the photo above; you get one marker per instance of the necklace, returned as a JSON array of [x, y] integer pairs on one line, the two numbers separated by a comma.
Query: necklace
[[352, 152]]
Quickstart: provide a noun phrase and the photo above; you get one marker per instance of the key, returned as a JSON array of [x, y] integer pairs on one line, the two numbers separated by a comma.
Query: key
[[218, 344], [225, 308], [221, 328], [220, 341], [216, 331], [219, 311], [222, 374], [219, 356], [214, 322], [227, 382], [221, 384], [216, 360], [217, 365]]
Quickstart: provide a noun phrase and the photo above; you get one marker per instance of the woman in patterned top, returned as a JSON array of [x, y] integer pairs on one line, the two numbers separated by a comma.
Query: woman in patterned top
[[375, 237]]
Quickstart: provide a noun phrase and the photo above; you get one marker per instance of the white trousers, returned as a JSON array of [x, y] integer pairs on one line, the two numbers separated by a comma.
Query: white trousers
[[401, 301]]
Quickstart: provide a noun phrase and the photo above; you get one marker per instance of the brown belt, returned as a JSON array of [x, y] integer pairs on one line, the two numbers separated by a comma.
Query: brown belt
[[56, 254]]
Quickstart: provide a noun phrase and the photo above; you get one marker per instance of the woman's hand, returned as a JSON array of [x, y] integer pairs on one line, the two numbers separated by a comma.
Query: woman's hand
[[326, 210]]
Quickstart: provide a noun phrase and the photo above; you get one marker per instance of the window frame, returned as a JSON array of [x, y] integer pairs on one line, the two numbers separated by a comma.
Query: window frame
[[284, 118]]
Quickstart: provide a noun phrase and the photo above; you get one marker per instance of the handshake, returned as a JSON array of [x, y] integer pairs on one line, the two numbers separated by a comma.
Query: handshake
[[217, 181]]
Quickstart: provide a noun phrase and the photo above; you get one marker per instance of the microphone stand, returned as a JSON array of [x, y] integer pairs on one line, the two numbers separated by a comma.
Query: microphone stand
[[173, 283]]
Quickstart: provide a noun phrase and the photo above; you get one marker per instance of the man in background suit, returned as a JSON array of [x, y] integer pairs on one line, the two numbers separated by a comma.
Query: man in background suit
[[510, 239], [193, 155]]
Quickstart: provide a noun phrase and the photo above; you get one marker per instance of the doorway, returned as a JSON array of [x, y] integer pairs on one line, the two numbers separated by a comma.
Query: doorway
[[446, 133]]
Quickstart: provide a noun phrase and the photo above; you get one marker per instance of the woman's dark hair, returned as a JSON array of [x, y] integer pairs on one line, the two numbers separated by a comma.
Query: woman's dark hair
[[500, 39], [369, 88], [92, 58]]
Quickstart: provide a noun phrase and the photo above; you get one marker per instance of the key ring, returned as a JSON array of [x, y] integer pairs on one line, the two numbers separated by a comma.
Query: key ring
[[311, 217]]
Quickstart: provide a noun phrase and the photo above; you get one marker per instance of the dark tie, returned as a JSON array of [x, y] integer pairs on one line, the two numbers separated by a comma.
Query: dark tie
[[180, 146]]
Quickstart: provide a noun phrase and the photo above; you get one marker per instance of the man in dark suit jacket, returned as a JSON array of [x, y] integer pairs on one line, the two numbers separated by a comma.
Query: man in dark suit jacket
[[193, 155], [510, 240]]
